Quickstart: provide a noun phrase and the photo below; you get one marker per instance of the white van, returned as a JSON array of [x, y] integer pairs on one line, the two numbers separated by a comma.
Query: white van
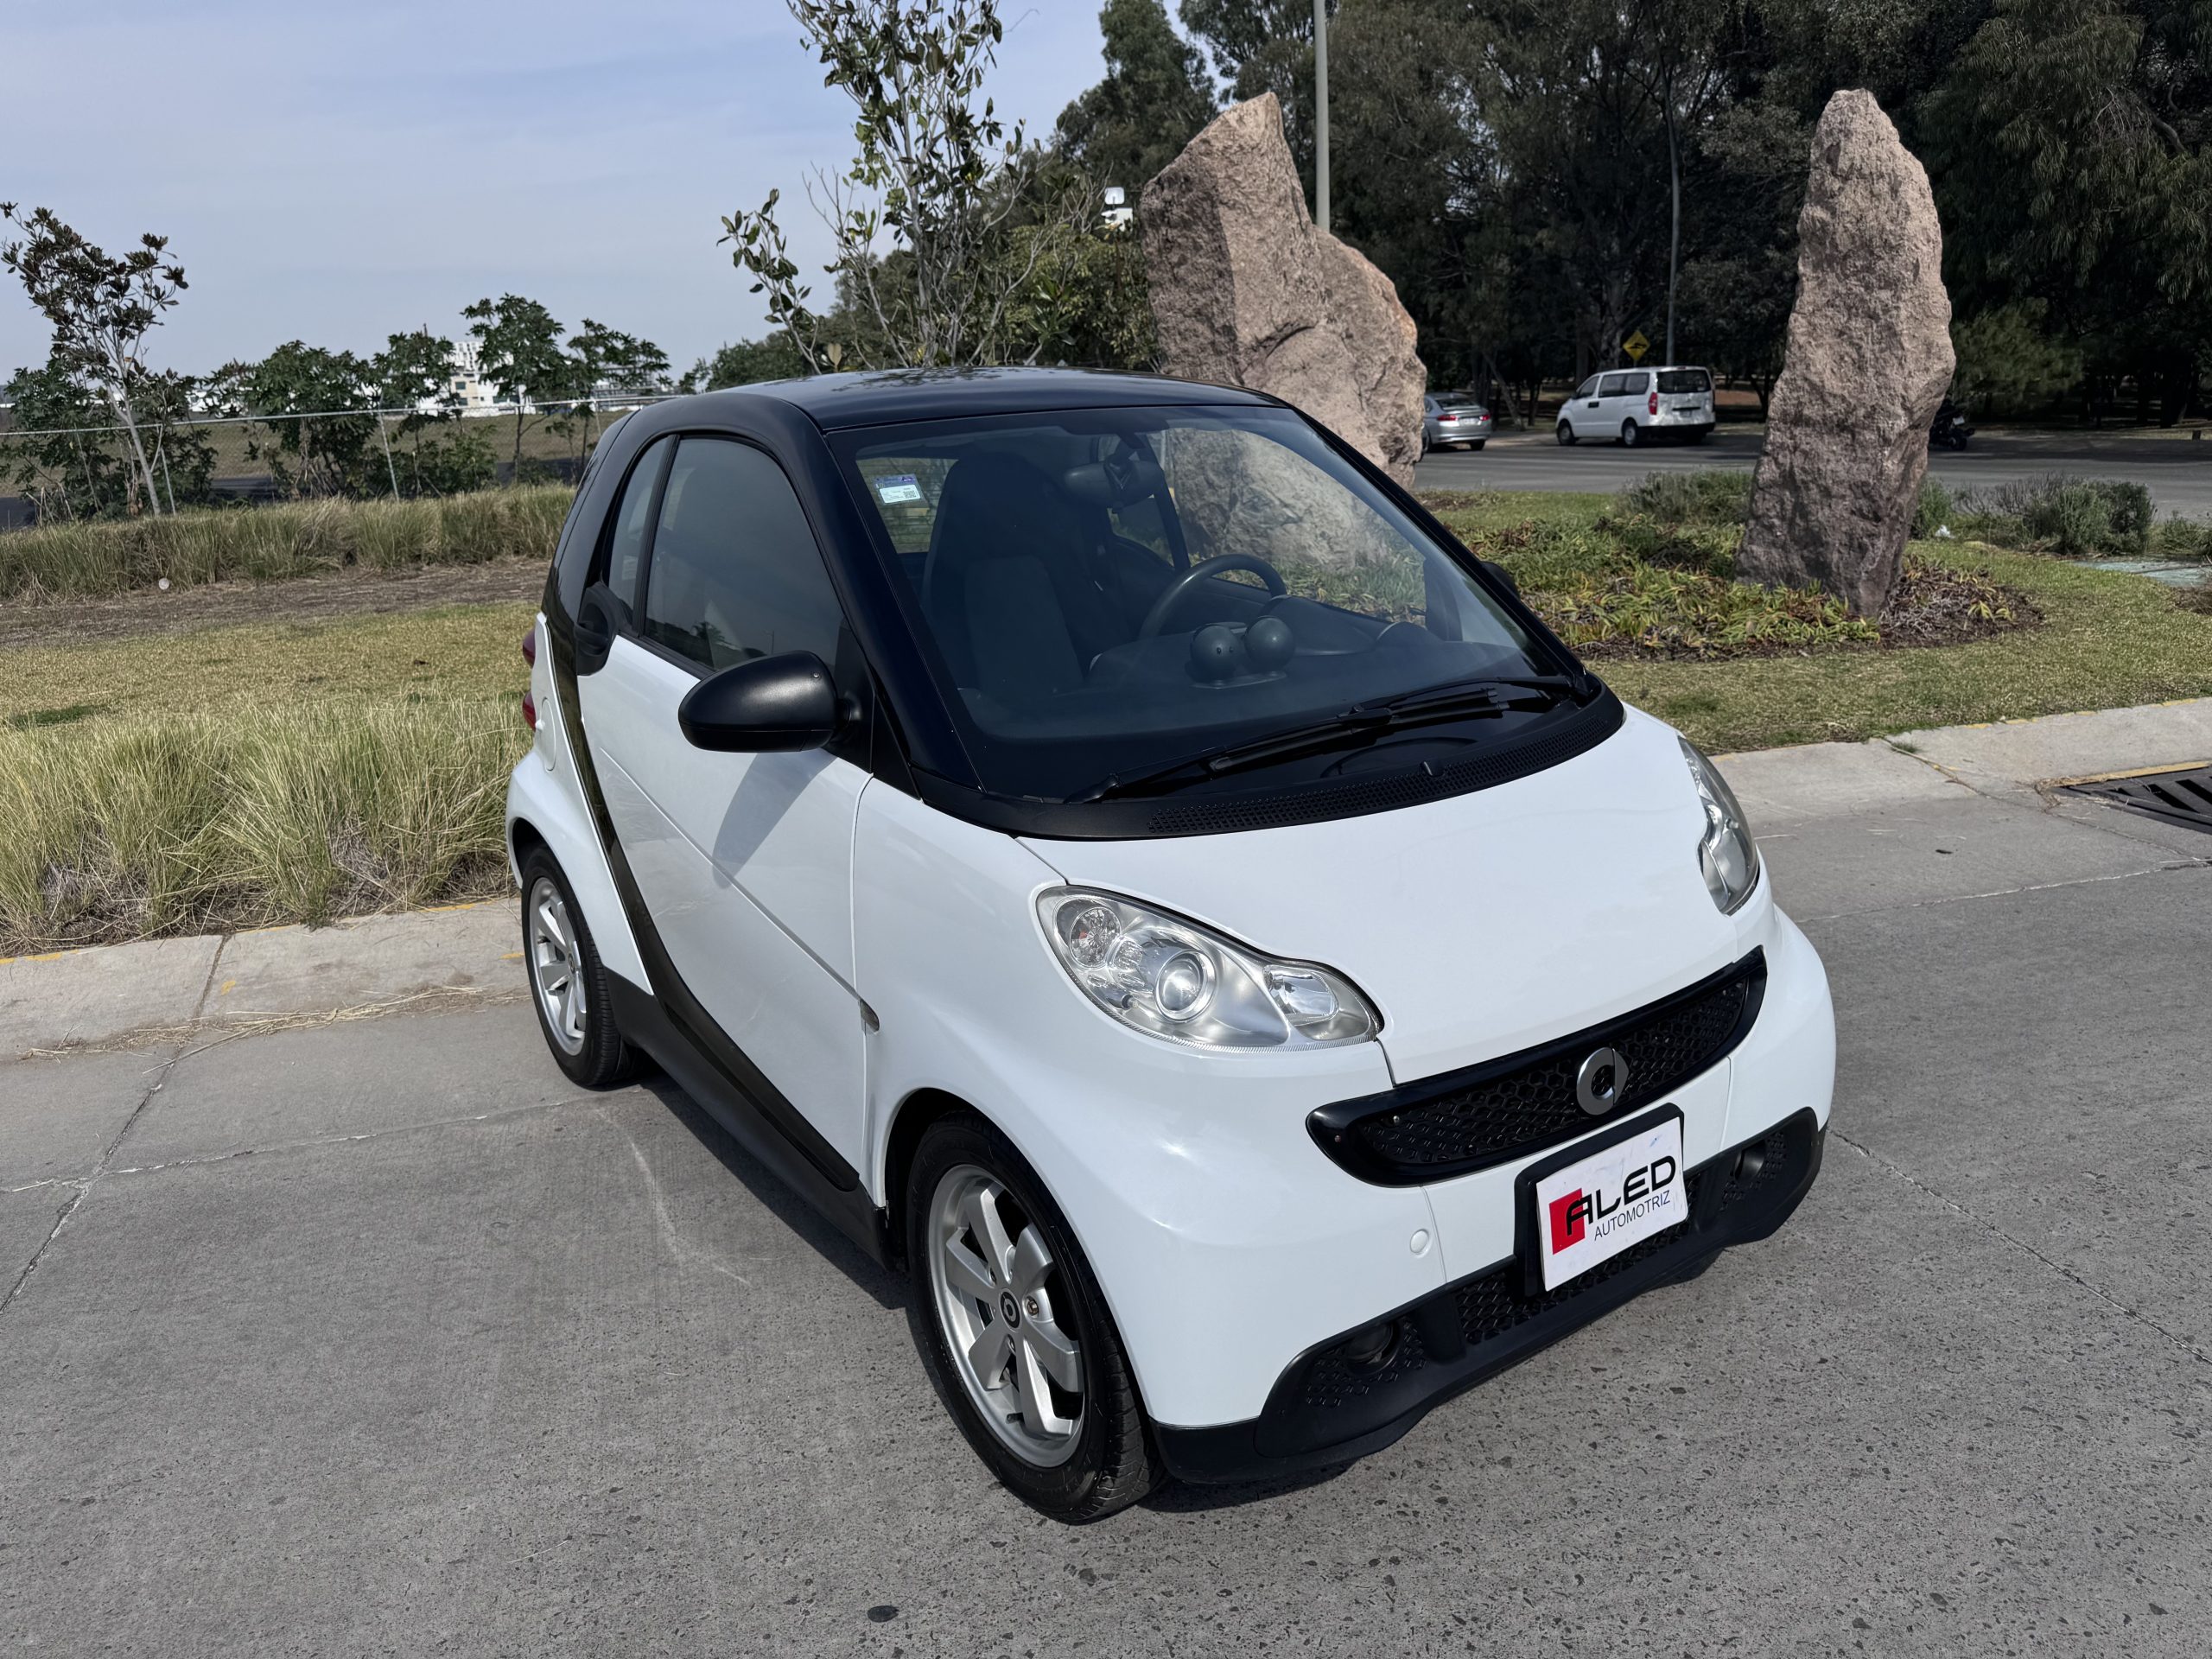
[[1241, 967], [1629, 405]]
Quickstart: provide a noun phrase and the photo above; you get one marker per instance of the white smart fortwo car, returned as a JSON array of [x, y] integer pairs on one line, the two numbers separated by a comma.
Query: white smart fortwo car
[[1125, 861]]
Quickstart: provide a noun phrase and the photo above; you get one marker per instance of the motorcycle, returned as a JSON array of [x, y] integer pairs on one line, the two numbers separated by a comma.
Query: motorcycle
[[1950, 429]]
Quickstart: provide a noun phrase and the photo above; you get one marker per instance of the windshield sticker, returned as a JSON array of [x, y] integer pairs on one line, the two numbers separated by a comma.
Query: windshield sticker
[[899, 488]]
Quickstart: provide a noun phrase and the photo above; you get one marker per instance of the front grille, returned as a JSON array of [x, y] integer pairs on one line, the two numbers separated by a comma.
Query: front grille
[[1723, 1196], [1491, 1307], [1508, 1108]]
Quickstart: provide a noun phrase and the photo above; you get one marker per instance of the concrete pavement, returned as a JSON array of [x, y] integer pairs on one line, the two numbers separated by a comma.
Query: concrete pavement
[[2178, 471], [378, 1336]]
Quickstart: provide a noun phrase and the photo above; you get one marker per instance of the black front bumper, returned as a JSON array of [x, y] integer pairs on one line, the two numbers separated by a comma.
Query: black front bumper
[[1329, 1407]]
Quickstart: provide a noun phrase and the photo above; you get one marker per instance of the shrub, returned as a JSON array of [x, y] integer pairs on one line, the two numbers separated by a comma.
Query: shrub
[[2073, 518], [2178, 538], [131, 828], [1710, 495], [270, 544], [1934, 509]]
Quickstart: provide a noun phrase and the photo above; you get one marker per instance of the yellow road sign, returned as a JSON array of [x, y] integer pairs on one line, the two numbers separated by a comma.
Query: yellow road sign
[[1635, 346]]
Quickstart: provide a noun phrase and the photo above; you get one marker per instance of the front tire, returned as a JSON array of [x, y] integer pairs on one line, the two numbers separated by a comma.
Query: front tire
[[1565, 435], [1014, 1331], [1631, 434], [568, 983]]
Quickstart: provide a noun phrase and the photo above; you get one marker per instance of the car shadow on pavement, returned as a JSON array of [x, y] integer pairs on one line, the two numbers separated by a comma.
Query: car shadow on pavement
[[1177, 1497], [891, 1292], [886, 1289]]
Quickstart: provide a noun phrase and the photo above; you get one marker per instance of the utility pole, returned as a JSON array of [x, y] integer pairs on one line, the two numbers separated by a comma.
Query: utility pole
[[1674, 186], [1321, 113]]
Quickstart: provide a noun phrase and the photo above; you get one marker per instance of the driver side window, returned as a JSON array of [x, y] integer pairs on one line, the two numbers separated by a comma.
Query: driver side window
[[734, 572]]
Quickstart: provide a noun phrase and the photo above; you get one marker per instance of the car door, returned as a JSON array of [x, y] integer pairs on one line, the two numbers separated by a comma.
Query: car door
[[1610, 407], [1579, 409], [744, 862]]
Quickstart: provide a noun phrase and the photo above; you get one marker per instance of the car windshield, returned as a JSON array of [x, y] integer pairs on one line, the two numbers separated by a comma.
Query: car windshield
[[1105, 591], [1458, 399], [1685, 380]]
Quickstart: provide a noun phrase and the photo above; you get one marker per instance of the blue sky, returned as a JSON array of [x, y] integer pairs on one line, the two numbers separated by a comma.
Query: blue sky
[[337, 173]]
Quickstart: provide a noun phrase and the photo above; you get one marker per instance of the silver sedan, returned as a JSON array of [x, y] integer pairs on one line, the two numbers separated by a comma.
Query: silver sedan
[[1452, 419]]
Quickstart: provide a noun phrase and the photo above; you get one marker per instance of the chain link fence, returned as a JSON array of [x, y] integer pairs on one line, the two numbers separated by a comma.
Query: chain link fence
[[235, 460]]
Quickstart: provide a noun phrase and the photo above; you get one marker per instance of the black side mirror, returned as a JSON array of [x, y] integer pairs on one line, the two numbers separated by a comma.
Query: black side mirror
[[1503, 575], [772, 704]]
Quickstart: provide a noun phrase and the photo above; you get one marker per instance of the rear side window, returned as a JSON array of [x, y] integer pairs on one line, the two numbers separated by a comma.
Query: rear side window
[[1680, 380], [626, 549], [735, 572], [1614, 385]]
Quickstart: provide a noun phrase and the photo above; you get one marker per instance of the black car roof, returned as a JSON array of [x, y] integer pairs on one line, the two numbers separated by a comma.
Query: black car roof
[[886, 397]]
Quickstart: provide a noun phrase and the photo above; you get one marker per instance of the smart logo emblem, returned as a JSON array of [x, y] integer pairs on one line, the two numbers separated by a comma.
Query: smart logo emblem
[[1598, 1085]]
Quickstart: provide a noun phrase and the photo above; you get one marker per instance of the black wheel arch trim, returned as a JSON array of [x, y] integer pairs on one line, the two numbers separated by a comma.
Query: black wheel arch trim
[[1329, 1125]]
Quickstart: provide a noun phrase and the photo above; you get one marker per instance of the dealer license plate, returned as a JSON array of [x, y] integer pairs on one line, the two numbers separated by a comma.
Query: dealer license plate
[[1593, 1209]]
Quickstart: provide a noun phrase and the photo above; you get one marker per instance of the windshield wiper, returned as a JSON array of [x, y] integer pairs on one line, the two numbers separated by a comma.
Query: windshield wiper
[[1362, 720]]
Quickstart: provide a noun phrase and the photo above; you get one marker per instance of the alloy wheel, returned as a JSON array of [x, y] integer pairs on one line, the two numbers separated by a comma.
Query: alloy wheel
[[993, 1277], [554, 967]]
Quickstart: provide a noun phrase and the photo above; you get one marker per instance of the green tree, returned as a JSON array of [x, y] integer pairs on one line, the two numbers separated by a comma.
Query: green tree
[[54, 452], [939, 176], [518, 351], [1267, 46], [2072, 144], [1155, 97], [745, 362], [101, 309], [607, 362], [435, 453], [313, 404]]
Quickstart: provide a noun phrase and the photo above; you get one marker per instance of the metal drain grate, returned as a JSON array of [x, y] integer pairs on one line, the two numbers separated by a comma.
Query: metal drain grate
[[2183, 794]]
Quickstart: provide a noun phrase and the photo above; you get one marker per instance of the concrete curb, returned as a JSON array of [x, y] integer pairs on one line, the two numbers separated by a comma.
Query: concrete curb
[[113, 995], [2013, 756], [109, 996]]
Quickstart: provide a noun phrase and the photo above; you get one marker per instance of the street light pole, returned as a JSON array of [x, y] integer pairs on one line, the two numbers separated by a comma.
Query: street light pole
[[1321, 113]]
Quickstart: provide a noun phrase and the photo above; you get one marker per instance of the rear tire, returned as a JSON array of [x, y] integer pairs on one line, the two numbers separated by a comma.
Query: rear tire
[[568, 983], [982, 1234], [1699, 435], [1565, 435], [1477, 444], [1631, 434]]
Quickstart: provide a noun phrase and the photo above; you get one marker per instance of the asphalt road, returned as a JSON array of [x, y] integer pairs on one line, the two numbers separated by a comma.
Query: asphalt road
[[2177, 471], [380, 1339]]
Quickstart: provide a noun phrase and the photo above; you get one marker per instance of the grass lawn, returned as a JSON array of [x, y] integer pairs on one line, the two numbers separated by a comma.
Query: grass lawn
[[465, 651], [2107, 641], [247, 775], [264, 769]]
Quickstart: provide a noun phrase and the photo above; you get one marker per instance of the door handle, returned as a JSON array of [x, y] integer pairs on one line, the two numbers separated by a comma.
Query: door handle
[[597, 622]]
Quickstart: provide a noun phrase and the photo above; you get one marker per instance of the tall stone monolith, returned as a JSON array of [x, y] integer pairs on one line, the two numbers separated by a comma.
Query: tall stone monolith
[[1867, 362], [1246, 292]]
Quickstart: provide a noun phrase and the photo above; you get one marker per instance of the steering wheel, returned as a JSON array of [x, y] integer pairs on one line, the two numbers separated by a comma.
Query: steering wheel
[[1164, 607]]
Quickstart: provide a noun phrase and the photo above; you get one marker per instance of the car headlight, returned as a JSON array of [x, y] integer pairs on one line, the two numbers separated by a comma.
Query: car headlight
[[1725, 853], [1174, 979]]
